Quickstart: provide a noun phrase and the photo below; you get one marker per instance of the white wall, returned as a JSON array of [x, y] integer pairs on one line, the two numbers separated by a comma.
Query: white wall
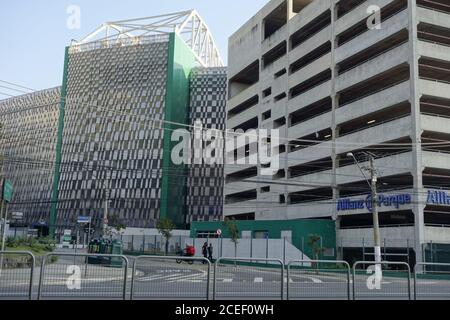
[[250, 248]]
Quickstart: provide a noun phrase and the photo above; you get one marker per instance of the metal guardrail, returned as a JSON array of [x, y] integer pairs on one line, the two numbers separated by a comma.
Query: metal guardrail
[[314, 271], [107, 273], [382, 293], [168, 286], [257, 278], [7, 277], [442, 279], [255, 266]]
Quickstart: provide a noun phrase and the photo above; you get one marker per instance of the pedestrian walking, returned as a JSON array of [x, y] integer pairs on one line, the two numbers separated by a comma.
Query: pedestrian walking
[[210, 252], [205, 251]]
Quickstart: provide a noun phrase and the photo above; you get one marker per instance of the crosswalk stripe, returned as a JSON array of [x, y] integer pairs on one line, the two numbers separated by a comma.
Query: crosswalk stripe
[[190, 277], [158, 277], [290, 280]]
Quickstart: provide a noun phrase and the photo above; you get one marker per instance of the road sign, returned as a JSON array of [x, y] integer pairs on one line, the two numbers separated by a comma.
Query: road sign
[[7, 190], [219, 232], [17, 215], [83, 219]]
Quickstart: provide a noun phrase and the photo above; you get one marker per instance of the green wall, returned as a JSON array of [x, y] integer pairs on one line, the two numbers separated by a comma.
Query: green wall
[[300, 229], [62, 106], [181, 60]]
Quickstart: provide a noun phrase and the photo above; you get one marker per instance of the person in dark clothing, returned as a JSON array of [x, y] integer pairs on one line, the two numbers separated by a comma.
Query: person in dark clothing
[[210, 252], [205, 250]]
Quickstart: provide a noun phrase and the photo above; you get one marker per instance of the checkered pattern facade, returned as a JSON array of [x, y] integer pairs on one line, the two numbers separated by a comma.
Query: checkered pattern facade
[[28, 146], [205, 182], [112, 147]]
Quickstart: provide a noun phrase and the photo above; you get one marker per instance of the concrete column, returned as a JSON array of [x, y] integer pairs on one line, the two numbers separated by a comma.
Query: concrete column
[[335, 105], [290, 9], [416, 133]]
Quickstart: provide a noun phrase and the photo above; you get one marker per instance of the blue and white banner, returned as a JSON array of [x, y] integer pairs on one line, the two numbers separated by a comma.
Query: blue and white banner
[[393, 201]]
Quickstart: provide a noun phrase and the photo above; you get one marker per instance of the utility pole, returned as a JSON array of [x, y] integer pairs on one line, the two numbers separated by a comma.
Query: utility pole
[[376, 225], [374, 195]]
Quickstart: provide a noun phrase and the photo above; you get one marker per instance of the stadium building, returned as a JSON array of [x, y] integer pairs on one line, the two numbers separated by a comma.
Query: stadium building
[[126, 87], [28, 147]]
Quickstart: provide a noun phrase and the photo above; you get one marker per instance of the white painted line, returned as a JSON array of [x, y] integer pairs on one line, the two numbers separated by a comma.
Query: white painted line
[[315, 280], [227, 280], [191, 277], [259, 280], [160, 277]]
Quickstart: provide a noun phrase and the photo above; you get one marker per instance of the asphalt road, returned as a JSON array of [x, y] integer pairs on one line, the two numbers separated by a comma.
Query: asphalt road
[[169, 280]]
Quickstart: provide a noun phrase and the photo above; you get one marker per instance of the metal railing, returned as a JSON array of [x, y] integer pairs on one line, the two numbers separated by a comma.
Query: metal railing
[[97, 276], [337, 288], [104, 44], [237, 275], [431, 284], [391, 285], [78, 275], [16, 275], [161, 277]]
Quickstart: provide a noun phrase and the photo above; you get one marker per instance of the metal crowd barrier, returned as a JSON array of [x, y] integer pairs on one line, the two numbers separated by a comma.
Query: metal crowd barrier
[[257, 274], [336, 285], [78, 275], [391, 285], [99, 276], [16, 280], [154, 278], [432, 284]]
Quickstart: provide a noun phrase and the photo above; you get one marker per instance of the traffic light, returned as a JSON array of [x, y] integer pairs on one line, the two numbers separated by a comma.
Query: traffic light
[[87, 229]]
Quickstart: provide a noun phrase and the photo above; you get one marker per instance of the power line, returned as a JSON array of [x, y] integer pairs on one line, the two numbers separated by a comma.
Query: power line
[[18, 90], [17, 85], [317, 143], [7, 94]]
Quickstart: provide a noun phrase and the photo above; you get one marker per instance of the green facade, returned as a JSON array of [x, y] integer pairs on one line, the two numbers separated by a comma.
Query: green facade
[[181, 61], [301, 230], [62, 107]]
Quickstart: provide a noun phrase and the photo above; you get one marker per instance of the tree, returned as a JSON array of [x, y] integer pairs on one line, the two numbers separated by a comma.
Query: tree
[[233, 231], [314, 242], [165, 227], [115, 226]]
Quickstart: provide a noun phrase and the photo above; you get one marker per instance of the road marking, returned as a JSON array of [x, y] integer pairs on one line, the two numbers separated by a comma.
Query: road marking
[[315, 280], [290, 280], [159, 277], [189, 278], [227, 280], [259, 280]]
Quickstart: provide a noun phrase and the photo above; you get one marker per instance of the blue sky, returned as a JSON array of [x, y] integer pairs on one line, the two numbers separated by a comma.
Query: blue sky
[[34, 33]]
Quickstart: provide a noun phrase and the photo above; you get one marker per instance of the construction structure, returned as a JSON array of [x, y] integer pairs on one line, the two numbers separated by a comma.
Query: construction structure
[[336, 77]]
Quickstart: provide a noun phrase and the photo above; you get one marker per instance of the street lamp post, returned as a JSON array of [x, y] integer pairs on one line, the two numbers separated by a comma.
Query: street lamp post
[[105, 212], [373, 188]]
